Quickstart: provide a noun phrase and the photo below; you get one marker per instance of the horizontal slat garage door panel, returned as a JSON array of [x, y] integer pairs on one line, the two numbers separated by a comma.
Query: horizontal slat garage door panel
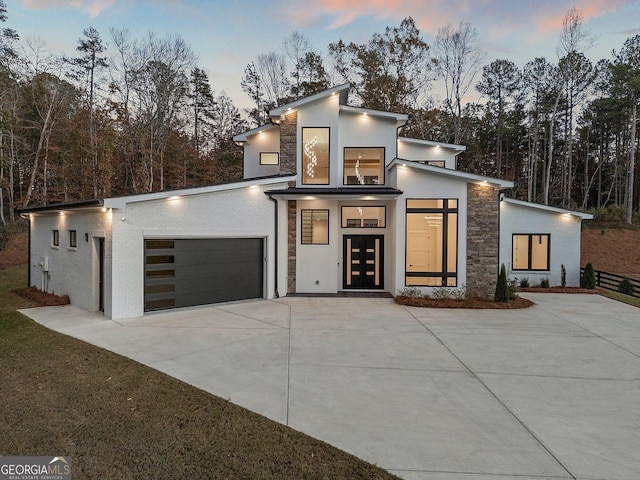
[[204, 271]]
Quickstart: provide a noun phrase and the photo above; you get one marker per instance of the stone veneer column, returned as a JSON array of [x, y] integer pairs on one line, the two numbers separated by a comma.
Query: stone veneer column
[[483, 239], [288, 135], [291, 246]]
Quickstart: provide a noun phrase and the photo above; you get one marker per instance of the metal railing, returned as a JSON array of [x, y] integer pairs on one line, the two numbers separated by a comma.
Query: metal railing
[[611, 281]]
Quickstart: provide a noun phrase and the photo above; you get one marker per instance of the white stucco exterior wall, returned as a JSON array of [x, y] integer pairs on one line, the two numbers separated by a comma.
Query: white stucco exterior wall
[[409, 149], [564, 230], [241, 211], [72, 271], [415, 185], [267, 140]]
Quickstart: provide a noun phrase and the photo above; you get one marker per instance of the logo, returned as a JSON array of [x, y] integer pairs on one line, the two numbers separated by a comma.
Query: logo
[[35, 468]]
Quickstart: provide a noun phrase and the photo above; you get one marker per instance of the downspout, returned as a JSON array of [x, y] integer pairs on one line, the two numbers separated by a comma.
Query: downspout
[[28, 219], [275, 240]]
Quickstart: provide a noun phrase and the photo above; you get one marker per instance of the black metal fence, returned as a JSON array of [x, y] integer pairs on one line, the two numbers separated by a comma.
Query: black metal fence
[[611, 281]]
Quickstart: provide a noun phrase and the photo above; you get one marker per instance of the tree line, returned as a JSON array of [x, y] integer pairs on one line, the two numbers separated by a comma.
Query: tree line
[[142, 116]]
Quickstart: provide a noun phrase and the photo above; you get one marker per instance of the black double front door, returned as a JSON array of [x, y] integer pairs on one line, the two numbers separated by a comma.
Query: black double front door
[[363, 262]]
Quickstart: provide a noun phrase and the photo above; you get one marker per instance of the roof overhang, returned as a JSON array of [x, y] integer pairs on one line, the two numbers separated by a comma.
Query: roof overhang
[[453, 174], [428, 143], [547, 208], [399, 118], [242, 138], [341, 91], [66, 206], [340, 193]]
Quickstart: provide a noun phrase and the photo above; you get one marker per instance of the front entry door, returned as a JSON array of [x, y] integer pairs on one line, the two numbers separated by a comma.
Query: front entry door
[[363, 262]]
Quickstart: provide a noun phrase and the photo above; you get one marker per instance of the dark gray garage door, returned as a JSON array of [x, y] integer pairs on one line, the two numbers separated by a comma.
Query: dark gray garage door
[[186, 272]]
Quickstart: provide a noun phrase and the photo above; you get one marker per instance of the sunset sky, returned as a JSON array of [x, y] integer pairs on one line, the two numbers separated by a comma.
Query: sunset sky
[[226, 36]]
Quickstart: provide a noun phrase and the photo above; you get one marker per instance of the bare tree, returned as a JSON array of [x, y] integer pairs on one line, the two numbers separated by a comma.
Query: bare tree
[[458, 60]]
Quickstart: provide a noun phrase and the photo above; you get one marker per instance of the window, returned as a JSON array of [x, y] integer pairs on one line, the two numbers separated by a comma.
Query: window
[[531, 251], [55, 238], [269, 158], [73, 239], [363, 166], [315, 156], [431, 254], [363, 217], [315, 227]]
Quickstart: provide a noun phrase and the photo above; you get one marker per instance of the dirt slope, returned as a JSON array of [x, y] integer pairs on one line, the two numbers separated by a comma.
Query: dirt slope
[[16, 251], [614, 251]]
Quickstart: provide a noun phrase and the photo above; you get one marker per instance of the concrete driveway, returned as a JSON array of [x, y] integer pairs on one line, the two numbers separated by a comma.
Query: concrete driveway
[[549, 392]]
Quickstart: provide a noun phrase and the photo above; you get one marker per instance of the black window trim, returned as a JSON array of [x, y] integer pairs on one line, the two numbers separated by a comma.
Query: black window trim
[[302, 242], [384, 179], [328, 156], [270, 153], [445, 210], [362, 206], [73, 239], [55, 238], [529, 258]]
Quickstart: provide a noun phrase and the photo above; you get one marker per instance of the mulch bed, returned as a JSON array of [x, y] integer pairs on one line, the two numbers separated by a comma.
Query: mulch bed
[[44, 299], [471, 303]]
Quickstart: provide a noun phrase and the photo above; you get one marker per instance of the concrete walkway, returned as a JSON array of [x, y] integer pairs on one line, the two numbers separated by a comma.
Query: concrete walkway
[[549, 392]]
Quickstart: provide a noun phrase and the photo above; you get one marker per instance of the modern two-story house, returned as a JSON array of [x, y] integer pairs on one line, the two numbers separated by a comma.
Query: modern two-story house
[[334, 199]]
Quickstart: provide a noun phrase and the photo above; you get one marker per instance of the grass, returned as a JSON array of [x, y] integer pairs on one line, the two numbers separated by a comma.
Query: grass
[[118, 419], [621, 297]]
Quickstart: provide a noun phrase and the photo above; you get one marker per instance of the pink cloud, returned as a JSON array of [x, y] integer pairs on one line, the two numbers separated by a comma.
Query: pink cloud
[[93, 7]]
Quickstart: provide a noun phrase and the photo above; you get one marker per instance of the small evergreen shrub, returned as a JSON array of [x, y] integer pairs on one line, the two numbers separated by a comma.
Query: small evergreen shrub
[[411, 292], [563, 276], [626, 287], [544, 283], [502, 287], [588, 279], [524, 282]]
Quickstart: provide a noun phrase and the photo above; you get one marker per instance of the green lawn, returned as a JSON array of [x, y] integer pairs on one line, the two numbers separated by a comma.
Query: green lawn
[[621, 297], [119, 419]]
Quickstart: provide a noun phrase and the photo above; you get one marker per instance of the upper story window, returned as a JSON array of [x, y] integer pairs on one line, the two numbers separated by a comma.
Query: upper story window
[[73, 239], [315, 156], [269, 158], [55, 238], [363, 166]]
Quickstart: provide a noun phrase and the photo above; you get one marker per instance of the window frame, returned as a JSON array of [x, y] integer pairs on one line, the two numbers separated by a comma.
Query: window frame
[[302, 156], [55, 238], [277, 154], [73, 239], [381, 180], [445, 210], [342, 216], [529, 252], [302, 239]]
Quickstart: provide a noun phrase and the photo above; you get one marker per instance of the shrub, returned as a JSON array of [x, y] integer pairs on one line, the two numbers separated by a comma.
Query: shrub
[[588, 279], [524, 282], [411, 292], [502, 287], [626, 287], [563, 276], [544, 283], [450, 293]]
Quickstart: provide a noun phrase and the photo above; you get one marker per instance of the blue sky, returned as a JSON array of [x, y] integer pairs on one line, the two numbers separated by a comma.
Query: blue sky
[[226, 36]]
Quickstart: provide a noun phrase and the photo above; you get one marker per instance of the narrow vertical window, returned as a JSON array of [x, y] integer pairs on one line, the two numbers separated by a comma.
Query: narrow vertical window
[[315, 156], [73, 240], [55, 238]]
